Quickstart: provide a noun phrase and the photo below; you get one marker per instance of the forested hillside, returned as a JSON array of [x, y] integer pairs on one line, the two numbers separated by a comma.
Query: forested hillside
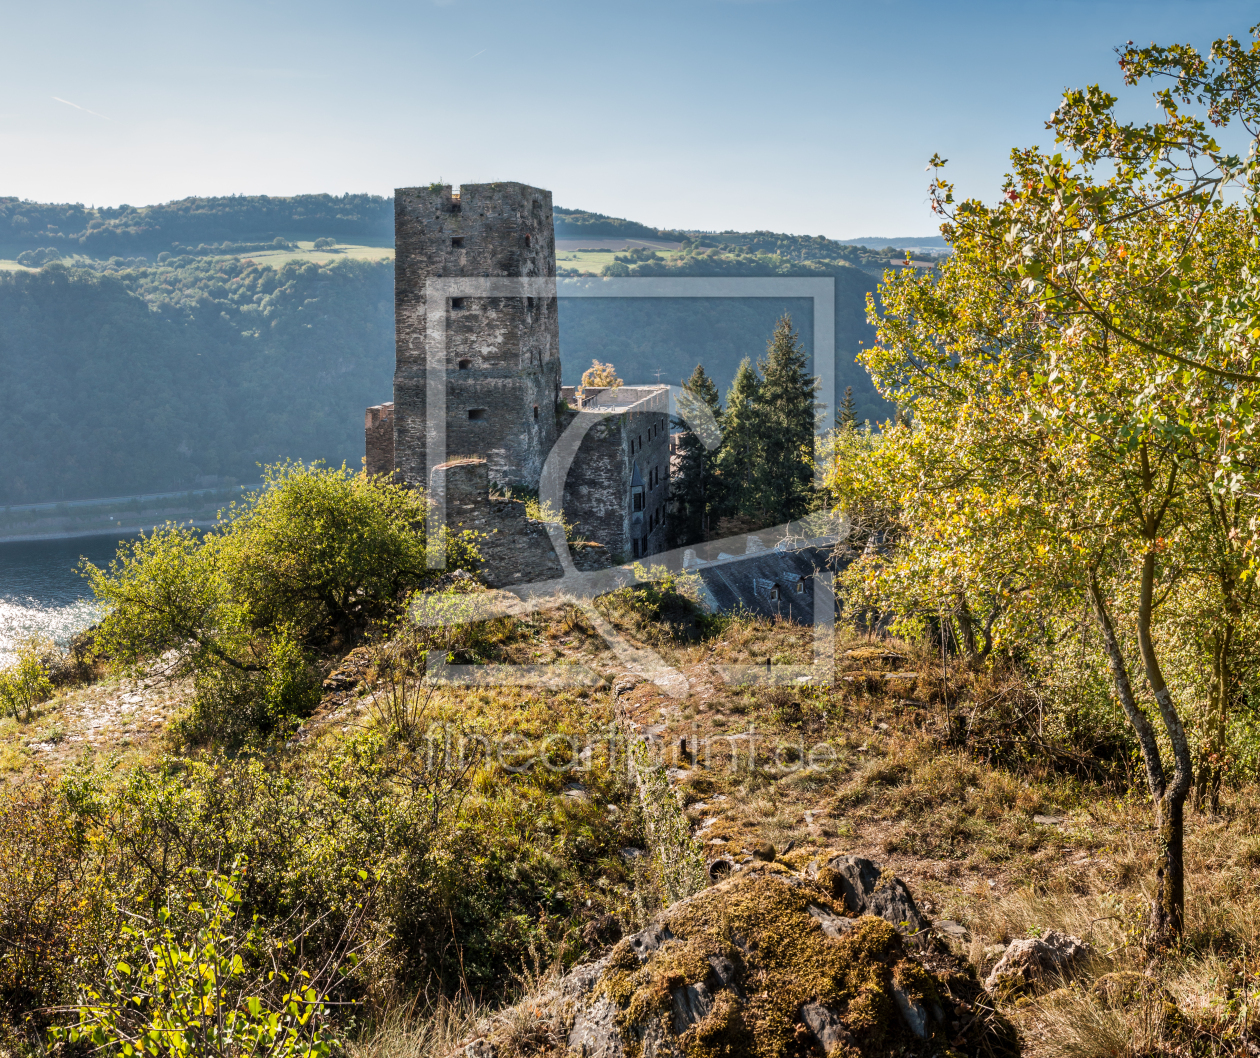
[[156, 379], [125, 375], [129, 230], [643, 336]]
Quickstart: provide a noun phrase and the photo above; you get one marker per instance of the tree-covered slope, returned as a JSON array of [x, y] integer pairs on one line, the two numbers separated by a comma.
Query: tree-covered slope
[[159, 379], [72, 228], [131, 377], [644, 336]]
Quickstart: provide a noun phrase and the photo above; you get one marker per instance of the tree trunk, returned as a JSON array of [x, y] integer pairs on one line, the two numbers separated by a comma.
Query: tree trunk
[[1169, 918], [1207, 787], [1168, 907], [967, 627]]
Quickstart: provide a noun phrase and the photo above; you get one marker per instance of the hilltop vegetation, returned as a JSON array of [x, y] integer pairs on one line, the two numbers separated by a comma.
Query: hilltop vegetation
[[264, 809], [127, 231]]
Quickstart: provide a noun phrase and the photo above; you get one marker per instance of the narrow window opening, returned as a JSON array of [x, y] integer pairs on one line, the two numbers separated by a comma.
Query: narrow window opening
[[636, 547], [774, 592], [637, 497], [478, 414], [457, 303], [529, 304], [457, 242], [535, 411], [464, 365], [528, 242], [800, 586]]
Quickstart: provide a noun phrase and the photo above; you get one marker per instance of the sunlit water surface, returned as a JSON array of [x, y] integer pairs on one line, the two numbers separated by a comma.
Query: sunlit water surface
[[42, 593]]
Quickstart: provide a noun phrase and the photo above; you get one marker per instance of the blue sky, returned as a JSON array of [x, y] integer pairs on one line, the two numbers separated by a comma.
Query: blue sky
[[792, 115]]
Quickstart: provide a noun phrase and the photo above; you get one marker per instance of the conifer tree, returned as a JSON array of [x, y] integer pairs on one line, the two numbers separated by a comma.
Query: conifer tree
[[694, 485], [786, 420], [848, 411], [739, 460]]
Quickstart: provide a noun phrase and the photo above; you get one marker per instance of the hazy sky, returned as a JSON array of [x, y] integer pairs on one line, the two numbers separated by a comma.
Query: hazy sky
[[793, 115]]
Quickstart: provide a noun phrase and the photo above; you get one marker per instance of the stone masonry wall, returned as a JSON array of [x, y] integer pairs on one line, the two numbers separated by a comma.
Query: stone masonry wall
[[378, 429], [598, 491], [503, 354], [514, 548]]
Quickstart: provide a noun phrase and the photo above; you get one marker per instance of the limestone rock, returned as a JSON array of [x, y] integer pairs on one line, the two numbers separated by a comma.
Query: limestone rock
[[1028, 962], [867, 889], [768, 962], [826, 1025]]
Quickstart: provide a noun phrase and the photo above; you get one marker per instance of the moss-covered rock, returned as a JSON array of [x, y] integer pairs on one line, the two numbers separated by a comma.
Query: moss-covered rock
[[771, 962]]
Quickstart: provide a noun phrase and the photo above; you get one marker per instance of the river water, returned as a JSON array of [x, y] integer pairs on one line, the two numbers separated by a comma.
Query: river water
[[41, 591]]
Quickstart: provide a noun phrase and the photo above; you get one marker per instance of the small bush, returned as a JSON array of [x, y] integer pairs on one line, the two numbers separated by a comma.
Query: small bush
[[25, 683], [52, 900], [202, 982], [233, 704]]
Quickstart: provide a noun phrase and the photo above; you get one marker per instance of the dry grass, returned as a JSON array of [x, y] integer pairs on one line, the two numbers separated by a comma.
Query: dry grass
[[432, 1032], [921, 779]]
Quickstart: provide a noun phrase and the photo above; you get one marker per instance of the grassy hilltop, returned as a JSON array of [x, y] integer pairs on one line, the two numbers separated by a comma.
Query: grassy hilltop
[[245, 748]]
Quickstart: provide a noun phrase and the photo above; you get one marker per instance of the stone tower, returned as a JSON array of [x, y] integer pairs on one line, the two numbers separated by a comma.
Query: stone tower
[[502, 356]]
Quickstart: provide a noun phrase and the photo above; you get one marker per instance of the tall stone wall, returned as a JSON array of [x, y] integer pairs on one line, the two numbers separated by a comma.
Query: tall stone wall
[[502, 359], [624, 452], [378, 430]]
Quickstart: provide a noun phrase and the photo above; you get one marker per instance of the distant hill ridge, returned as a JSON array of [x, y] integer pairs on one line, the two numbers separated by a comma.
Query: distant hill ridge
[[107, 231]]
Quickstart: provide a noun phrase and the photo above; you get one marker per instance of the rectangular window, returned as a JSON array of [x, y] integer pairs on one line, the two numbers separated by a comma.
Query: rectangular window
[[457, 303], [457, 243], [477, 414], [636, 547]]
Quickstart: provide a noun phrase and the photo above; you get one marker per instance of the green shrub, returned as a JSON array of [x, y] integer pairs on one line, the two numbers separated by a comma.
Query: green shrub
[[305, 564], [53, 901], [25, 683], [232, 704], [205, 983]]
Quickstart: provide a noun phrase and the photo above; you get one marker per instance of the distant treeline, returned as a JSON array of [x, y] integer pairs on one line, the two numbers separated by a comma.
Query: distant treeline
[[670, 336], [581, 224], [242, 223], [130, 230]]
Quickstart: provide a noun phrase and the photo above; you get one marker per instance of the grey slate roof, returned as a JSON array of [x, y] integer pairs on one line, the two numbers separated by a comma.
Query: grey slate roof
[[751, 580]]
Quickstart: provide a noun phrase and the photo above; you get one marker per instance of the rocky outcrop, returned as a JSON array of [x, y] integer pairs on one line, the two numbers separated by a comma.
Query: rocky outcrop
[[771, 962], [1027, 963], [867, 889]]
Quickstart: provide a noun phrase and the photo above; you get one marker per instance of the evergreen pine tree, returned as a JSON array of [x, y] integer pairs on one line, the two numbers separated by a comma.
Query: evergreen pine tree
[[848, 410], [739, 460], [693, 486], [786, 416]]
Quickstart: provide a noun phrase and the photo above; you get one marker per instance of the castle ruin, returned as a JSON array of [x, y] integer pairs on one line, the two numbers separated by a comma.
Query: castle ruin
[[504, 407]]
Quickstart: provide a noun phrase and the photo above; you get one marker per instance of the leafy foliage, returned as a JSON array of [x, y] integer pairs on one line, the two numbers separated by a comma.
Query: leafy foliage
[[601, 375], [205, 983], [25, 682], [310, 560], [1081, 377]]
